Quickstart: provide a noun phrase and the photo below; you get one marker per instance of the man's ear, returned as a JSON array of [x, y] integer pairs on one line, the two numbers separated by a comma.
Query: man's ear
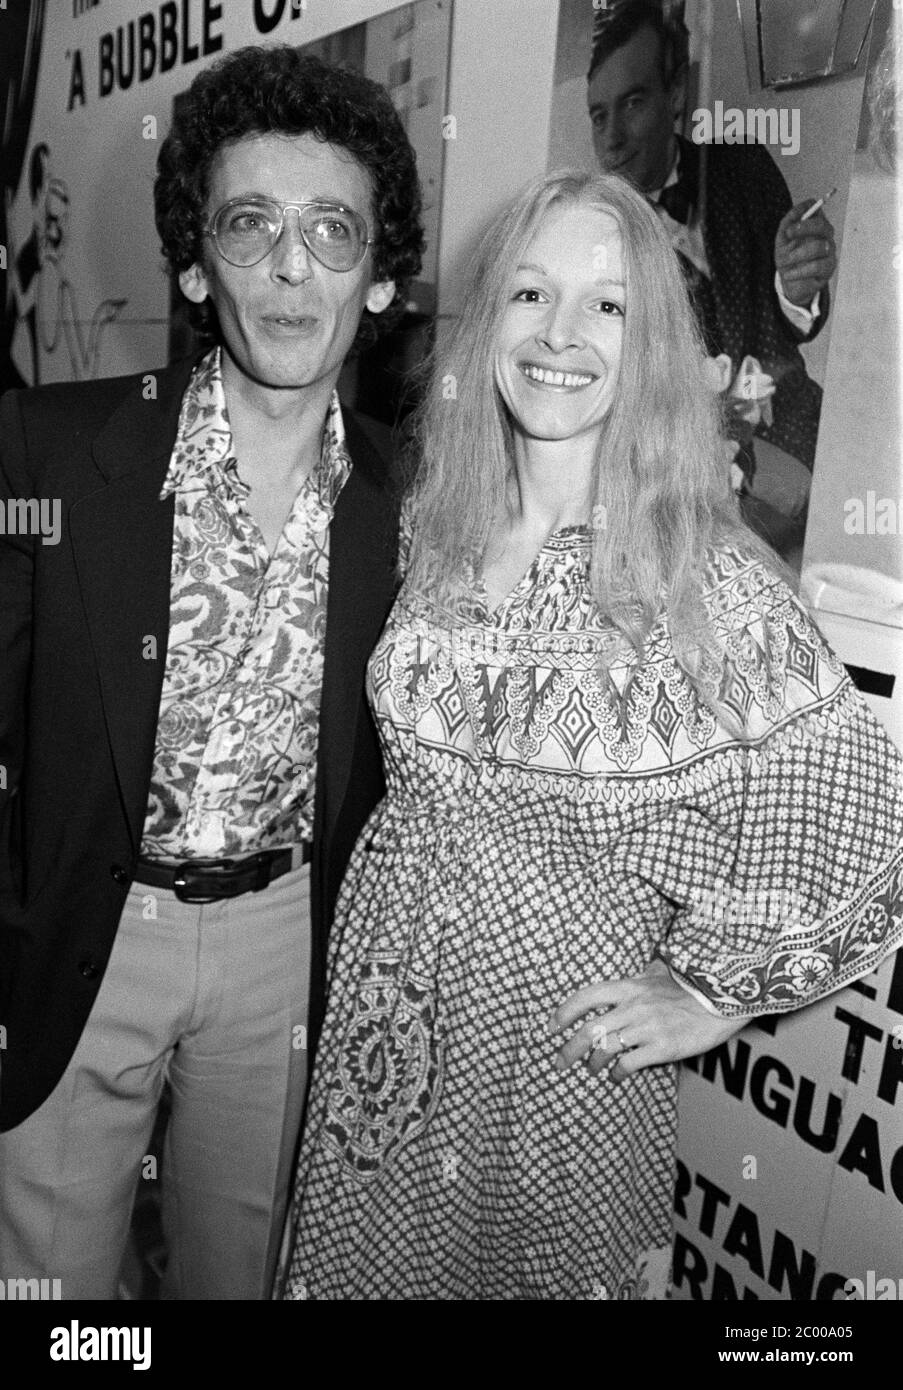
[[193, 283], [380, 295]]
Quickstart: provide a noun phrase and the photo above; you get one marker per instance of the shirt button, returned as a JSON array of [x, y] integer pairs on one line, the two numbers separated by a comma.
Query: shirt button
[[120, 875], [88, 968]]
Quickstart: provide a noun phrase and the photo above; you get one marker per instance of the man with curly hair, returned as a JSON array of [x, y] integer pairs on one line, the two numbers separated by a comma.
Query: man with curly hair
[[186, 752]]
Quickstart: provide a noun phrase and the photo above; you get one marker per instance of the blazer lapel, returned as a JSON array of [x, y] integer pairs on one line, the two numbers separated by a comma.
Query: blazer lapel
[[122, 542]]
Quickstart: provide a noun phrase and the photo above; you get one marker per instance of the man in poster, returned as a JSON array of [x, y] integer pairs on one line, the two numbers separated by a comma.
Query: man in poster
[[757, 271]]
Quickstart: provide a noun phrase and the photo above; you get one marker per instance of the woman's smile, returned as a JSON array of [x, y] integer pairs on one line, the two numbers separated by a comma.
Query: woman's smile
[[556, 379]]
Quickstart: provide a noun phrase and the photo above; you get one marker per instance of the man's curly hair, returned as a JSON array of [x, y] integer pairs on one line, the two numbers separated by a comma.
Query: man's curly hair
[[280, 89]]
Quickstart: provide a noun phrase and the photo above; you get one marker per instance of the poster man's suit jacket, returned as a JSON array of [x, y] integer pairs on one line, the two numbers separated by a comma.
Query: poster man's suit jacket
[[79, 699], [746, 197]]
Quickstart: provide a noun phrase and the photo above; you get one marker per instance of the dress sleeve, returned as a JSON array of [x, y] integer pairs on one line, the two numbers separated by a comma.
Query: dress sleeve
[[814, 899]]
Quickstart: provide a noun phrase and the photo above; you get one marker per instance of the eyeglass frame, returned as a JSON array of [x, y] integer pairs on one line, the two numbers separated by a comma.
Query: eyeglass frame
[[259, 201]]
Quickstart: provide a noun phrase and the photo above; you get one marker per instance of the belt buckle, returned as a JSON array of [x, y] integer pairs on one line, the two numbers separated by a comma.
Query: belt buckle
[[263, 865], [182, 887]]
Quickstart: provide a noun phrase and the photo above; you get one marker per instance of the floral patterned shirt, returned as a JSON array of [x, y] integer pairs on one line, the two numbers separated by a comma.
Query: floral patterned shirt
[[235, 758]]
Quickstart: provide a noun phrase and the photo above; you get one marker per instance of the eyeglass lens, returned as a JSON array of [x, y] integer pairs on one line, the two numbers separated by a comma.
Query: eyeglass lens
[[245, 232]]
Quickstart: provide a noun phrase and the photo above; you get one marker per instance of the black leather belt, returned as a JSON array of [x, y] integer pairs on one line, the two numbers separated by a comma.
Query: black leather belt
[[206, 880]]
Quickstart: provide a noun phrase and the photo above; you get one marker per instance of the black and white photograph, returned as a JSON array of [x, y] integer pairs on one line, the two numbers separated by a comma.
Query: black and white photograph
[[451, 665]]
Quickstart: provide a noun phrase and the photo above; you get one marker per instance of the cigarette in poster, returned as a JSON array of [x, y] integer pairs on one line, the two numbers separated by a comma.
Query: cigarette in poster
[[810, 212]]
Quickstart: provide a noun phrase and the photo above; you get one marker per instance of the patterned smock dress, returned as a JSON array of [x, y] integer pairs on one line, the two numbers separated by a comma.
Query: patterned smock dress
[[546, 827]]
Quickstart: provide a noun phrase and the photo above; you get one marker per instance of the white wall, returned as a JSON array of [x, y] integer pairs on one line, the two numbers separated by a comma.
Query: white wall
[[500, 93], [859, 446]]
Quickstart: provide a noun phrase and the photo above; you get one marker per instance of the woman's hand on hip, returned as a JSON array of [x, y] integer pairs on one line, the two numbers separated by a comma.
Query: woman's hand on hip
[[643, 1021]]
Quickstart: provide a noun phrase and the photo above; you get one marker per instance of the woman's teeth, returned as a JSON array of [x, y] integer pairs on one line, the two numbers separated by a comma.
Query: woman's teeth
[[556, 378]]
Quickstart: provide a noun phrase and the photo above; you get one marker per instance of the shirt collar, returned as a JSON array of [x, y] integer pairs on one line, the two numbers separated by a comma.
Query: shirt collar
[[204, 440], [335, 461], [204, 435], [672, 177]]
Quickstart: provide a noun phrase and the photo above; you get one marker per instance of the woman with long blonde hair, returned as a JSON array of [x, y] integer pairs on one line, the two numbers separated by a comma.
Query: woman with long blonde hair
[[614, 744]]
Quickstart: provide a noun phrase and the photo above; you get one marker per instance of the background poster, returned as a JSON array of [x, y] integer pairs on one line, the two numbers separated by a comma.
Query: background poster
[[90, 88]]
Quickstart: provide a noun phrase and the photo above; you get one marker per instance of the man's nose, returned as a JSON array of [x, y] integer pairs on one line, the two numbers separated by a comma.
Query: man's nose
[[613, 137], [290, 255]]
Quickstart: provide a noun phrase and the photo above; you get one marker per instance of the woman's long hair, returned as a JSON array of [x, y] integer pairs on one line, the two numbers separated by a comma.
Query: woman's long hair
[[662, 492]]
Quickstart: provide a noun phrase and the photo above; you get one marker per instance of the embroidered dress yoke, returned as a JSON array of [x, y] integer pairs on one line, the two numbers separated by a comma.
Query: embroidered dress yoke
[[547, 826], [235, 757]]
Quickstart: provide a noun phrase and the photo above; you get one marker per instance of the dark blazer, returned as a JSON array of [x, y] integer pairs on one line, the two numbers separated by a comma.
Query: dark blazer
[[746, 197], [79, 701]]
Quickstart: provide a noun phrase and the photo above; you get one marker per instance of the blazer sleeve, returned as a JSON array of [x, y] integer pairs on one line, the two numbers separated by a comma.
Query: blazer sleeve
[[769, 202], [16, 580]]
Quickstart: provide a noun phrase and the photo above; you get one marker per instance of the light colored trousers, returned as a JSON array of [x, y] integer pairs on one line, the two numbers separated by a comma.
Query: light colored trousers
[[215, 997]]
